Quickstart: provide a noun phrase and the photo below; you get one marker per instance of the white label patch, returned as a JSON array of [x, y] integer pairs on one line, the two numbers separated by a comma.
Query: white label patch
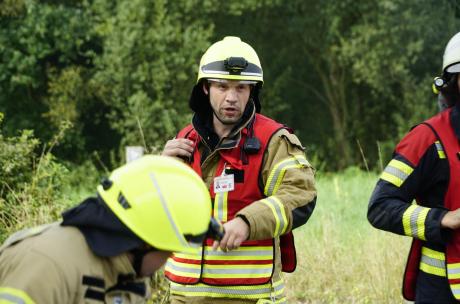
[[224, 183]]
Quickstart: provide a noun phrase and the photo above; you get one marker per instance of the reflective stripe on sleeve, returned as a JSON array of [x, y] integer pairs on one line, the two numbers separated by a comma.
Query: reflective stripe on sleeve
[[440, 150], [414, 221], [278, 213], [242, 292], [396, 172], [433, 262], [276, 175], [14, 296]]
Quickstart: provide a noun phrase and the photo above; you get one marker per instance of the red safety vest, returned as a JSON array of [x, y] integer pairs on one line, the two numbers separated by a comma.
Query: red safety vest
[[253, 262], [441, 127]]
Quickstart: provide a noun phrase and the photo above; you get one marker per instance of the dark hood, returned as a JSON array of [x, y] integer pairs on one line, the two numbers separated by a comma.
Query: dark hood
[[105, 234]]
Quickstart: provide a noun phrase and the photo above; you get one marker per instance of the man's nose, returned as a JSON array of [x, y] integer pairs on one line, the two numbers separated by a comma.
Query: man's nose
[[232, 95]]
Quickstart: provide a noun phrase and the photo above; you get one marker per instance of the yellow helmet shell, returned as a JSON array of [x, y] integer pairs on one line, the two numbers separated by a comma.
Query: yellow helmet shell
[[232, 59], [161, 200], [451, 58]]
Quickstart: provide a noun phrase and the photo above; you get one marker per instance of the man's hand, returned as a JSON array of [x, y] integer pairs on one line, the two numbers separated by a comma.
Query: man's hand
[[236, 232], [451, 219], [179, 147]]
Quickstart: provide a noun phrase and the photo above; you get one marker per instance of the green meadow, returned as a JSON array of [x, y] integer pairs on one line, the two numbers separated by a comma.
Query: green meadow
[[341, 257]]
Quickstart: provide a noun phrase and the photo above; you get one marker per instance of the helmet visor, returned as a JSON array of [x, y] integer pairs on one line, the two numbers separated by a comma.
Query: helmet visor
[[227, 80], [454, 68]]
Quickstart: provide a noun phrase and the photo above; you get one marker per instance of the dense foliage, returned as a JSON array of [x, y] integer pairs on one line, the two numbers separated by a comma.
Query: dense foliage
[[350, 76]]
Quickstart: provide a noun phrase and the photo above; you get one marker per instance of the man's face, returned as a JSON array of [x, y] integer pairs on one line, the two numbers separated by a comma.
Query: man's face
[[228, 100]]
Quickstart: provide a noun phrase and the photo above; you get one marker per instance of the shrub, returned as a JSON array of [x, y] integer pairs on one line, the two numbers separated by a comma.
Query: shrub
[[31, 182]]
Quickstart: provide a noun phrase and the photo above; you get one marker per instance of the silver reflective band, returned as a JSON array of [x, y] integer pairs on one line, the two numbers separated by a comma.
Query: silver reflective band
[[227, 73], [453, 270], [279, 214], [278, 171], [11, 298], [439, 146], [396, 172], [184, 269], [231, 80], [220, 206], [179, 236], [413, 220], [238, 253], [433, 262], [211, 289], [267, 270]]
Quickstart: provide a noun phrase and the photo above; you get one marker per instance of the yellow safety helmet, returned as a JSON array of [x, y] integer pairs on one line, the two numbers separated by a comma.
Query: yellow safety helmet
[[451, 58], [162, 200], [232, 59]]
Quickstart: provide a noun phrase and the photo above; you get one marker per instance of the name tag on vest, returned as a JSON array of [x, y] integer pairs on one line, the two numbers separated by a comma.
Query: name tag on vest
[[224, 183]]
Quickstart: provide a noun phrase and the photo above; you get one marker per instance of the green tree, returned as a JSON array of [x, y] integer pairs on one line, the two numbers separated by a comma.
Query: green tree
[[151, 51], [349, 72]]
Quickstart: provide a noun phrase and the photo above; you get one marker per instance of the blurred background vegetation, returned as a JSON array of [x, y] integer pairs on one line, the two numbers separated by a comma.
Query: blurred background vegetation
[[82, 79], [346, 75]]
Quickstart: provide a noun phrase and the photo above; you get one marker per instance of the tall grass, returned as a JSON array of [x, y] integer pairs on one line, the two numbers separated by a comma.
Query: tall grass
[[341, 257]]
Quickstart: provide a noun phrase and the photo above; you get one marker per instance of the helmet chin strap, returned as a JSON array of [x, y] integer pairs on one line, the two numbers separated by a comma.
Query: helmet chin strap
[[138, 256]]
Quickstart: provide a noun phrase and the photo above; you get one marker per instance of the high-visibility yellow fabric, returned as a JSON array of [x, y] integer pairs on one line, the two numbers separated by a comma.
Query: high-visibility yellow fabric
[[433, 262], [453, 270], [10, 295], [414, 221], [244, 292], [440, 150], [396, 172]]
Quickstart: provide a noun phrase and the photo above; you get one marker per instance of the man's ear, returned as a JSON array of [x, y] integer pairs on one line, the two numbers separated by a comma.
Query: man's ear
[[206, 87]]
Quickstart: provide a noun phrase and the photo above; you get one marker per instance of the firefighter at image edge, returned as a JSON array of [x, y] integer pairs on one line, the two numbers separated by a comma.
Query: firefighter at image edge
[[105, 248], [426, 168], [260, 181]]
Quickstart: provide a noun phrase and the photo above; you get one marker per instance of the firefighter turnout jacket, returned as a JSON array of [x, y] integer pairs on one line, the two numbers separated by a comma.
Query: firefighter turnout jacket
[[271, 189], [52, 264], [425, 167]]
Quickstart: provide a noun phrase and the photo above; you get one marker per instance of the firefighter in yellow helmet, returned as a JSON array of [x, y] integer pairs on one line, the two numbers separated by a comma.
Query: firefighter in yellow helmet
[[105, 247], [426, 169], [259, 179]]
